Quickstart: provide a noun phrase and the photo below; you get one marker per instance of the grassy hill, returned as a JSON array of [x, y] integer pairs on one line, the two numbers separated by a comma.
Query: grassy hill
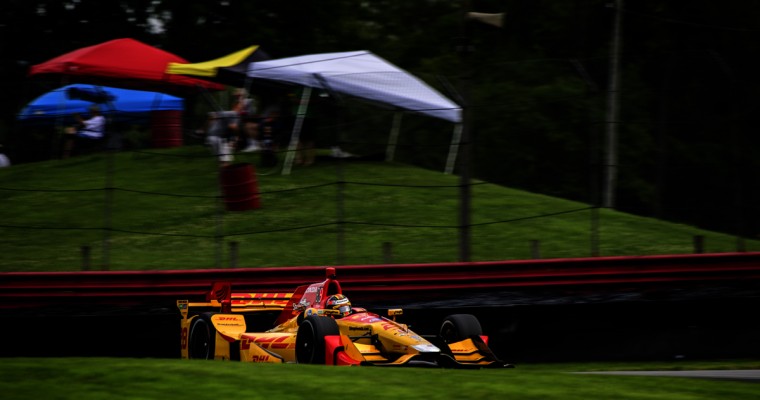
[[161, 209], [124, 378]]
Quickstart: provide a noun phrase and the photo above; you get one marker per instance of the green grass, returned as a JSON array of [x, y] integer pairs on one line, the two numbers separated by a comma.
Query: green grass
[[164, 214], [108, 378]]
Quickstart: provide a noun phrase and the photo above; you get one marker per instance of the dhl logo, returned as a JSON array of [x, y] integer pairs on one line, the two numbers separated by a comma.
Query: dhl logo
[[255, 302], [388, 326], [267, 342], [262, 295], [183, 340], [260, 299]]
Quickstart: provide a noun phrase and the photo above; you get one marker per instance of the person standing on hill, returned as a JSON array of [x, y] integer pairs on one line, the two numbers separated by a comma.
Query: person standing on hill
[[222, 135]]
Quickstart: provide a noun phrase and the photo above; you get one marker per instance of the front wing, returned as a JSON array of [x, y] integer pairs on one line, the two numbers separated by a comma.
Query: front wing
[[469, 353]]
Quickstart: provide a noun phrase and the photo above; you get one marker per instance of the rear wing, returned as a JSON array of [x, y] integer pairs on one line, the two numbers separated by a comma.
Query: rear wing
[[243, 302], [222, 298]]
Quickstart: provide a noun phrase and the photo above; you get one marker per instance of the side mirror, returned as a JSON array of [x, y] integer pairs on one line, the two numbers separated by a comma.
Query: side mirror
[[393, 312]]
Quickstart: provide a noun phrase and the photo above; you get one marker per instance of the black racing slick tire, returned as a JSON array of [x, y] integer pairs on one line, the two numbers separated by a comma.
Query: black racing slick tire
[[310, 339], [202, 338], [459, 327]]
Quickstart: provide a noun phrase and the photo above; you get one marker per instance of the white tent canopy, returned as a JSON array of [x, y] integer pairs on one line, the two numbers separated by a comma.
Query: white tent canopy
[[363, 75]]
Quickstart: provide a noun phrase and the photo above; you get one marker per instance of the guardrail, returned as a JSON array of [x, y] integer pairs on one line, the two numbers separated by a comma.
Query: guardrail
[[32, 289]]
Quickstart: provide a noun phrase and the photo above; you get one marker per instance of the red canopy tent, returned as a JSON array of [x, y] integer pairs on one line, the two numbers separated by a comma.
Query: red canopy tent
[[130, 64], [125, 63]]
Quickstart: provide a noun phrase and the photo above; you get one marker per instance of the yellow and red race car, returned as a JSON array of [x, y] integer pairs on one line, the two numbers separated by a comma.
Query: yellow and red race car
[[316, 324]]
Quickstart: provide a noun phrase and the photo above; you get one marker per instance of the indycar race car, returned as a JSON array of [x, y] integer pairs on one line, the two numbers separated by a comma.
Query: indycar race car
[[317, 324]]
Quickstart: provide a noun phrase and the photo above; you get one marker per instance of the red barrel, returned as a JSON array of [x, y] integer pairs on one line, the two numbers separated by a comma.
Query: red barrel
[[239, 187], [166, 128]]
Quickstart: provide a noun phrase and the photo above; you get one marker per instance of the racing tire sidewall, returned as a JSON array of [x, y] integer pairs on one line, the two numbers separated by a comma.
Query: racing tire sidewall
[[202, 338], [458, 327], [310, 339]]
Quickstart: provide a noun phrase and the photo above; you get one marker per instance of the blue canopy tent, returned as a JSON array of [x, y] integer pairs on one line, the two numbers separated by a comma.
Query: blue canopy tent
[[160, 111], [122, 105]]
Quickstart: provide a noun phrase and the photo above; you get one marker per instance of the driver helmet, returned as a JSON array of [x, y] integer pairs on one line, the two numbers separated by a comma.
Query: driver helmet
[[339, 302]]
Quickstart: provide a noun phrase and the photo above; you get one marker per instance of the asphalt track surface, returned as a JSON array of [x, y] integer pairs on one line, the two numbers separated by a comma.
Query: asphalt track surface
[[541, 325], [752, 375]]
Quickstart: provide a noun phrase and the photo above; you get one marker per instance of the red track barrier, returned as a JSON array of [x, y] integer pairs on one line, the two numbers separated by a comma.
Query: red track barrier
[[34, 289]]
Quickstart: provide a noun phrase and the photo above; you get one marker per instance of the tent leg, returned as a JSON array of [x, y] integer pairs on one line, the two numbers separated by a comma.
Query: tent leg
[[296, 134], [454, 148], [390, 151]]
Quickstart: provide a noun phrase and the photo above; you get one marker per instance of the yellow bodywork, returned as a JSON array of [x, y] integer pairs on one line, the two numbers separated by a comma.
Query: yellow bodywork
[[231, 328], [365, 338]]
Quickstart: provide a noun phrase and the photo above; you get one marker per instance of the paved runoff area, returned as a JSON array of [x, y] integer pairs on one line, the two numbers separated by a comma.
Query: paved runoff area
[[741, 374]]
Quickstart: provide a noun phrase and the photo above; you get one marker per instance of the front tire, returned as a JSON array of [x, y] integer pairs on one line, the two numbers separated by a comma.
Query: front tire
[[310, 339], [202, 340], [459, 327]]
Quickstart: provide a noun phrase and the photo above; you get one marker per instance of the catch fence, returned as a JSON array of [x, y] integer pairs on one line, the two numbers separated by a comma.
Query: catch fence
[[165, 209]]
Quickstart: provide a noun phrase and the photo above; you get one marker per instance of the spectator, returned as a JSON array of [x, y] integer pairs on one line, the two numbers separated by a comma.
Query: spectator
[[250, 137], [221, 135], [243, 105], [85, 133], [4, 160], [268, 146]]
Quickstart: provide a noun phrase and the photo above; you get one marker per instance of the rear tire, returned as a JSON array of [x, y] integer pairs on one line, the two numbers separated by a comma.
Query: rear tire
[[202, 340], [459, 327], [310, 339]]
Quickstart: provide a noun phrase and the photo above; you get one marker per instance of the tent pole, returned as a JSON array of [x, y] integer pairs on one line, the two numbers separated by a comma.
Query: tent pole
[[454, 149], [111, 137], [108, 211], [390, 151], [61, 142], [296, 134]]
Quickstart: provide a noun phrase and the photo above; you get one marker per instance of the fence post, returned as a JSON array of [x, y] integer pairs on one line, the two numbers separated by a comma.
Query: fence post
[[387, 253], [535, 249], [340, 235], [86, 258], [741, 246], [594, 231], [233, 254], [699, 244]]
